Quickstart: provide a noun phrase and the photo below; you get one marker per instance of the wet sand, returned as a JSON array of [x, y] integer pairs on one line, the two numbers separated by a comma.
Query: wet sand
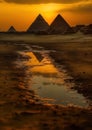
[[76, 60], [22, 109]]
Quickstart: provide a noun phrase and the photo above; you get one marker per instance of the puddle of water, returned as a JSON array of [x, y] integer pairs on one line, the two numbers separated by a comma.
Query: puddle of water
[[46, 80]]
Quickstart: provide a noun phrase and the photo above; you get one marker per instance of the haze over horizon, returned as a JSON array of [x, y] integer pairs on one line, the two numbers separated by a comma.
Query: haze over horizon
[[21, 13]]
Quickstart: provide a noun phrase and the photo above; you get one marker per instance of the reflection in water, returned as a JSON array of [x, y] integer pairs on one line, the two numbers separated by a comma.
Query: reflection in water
[[47, 81]]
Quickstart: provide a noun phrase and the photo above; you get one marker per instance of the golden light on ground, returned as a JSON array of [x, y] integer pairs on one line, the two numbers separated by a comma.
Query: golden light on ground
[[43, 66]]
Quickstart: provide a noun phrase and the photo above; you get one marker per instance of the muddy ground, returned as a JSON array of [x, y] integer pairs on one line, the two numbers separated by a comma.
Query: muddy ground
[[22, 109], [76, 58]]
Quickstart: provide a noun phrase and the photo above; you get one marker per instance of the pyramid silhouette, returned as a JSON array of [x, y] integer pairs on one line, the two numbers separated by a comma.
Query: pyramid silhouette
[[39, 25], [38, 56], [11, 29], [59, 26]]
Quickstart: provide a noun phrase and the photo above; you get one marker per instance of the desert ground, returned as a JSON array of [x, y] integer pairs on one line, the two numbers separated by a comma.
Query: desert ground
[[21, 108]]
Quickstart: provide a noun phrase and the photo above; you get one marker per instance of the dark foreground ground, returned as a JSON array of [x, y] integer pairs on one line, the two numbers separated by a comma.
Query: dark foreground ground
[[21, 109]]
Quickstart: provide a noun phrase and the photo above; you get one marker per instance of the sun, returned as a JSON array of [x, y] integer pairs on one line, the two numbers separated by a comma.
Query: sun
[[49, 10], [49, 7]]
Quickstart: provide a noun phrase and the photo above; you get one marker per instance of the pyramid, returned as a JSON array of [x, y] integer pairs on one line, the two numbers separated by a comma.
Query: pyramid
[[38, 56], [59, 26], [11, 29], [39, 25]]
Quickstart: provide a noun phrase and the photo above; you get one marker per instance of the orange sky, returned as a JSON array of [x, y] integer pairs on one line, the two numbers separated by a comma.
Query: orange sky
[[21, 14]]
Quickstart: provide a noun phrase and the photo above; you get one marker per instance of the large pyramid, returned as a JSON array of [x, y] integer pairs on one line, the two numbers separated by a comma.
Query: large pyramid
[[38, 26], [59, 26], [11, 29]]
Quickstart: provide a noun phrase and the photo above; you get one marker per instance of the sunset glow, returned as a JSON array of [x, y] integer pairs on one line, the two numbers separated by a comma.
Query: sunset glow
[[21, 15]]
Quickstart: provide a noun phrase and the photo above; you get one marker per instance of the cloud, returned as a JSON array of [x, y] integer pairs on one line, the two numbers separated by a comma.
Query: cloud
[[1, 1], [71, 5], [84, 8], [40, 1], [87, 7]]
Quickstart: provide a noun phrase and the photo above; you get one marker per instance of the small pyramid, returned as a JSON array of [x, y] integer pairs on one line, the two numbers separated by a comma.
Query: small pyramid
[[59, 26], [11, 29], [39, 25]]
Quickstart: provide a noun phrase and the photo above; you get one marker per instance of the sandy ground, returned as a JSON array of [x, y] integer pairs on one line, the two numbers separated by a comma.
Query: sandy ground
[[21, 109], [77, 60]]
